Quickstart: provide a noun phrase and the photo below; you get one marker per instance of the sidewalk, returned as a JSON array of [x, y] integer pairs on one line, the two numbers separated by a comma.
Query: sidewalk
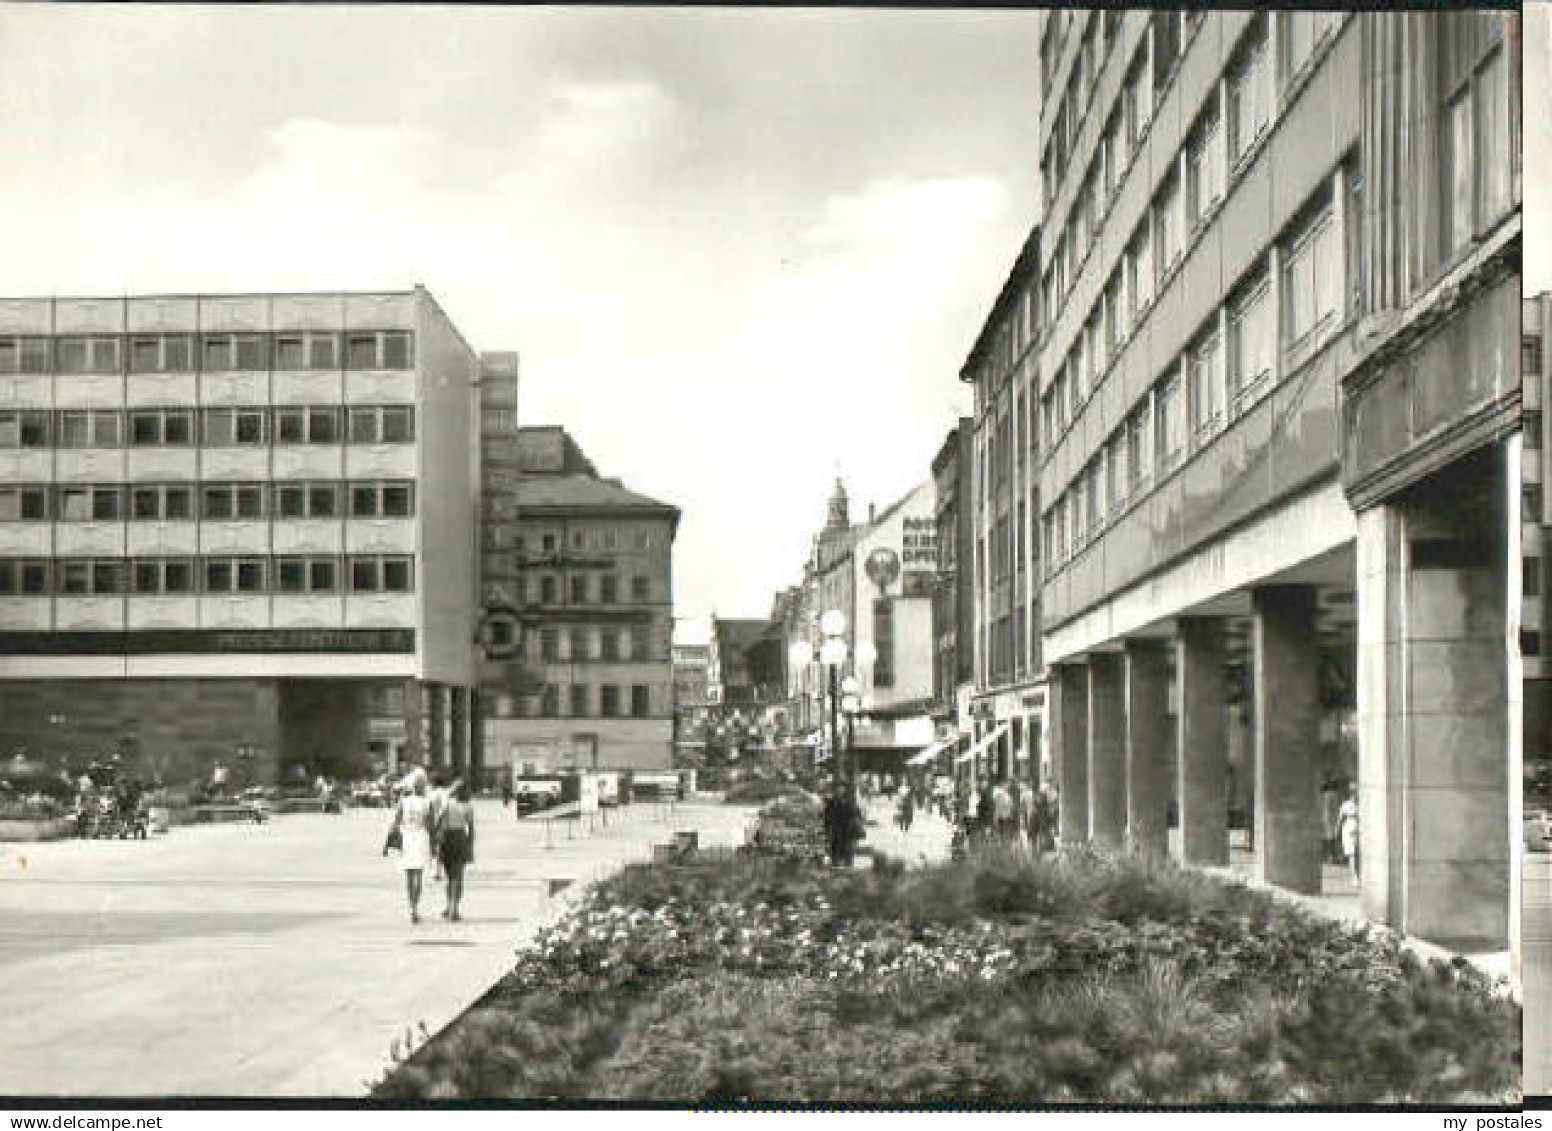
[[273, 960], [927, 842]]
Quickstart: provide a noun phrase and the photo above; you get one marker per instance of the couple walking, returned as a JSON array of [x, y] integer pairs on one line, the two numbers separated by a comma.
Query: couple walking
[[433, 824]]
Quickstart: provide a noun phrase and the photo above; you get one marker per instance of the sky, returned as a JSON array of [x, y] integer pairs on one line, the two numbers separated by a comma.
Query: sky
[[1537, 187], [739, 251]]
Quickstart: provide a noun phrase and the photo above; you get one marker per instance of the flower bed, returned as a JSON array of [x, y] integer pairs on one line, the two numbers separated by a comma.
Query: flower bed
[[995, 978]]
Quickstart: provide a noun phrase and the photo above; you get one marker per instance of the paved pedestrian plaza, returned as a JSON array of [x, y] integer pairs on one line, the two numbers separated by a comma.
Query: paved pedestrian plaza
[[273, 960]]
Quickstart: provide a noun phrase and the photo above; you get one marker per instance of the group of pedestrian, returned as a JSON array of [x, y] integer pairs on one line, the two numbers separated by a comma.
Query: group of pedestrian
[[433, 825], [1005, 811]]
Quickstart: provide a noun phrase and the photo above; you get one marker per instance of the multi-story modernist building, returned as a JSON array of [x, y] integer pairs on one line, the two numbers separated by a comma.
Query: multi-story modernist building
[[1278, 385], [592, 684], [1008, 706], [953, 592], [1536, 539], [237, 526]]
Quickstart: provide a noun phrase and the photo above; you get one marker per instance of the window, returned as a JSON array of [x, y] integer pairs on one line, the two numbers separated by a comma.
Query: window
[[232, 501], [23, 504], [579, 700], [1530, 354], [161, 353], [578, 644], [298, 351], [609, 700], [608, 589], [640, 589], [158, 575], [381, 574], [87, 355], [1204, 384], [1139, 449], [578, 589], [1116, 480], [83, 429], [20, 577], [24, 355], [1492, 114], [389, 349], [225, 427], [1299, 34], [27, 429], [1250, 341], [398, 500], [549, 644], [391, 424], [1168, 421], [641, 642], [608, 644], [89, 504], [174, 501], [1139, 267], [1206, 174], [1137, 98], [168, 427], [1312, 281], [549, 590], [1249, 93], [641, 701], [316, 425], [1457, 156], [1166, 226]]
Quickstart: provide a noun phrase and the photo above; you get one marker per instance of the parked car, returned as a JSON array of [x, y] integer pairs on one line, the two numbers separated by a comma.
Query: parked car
[[369, 795]]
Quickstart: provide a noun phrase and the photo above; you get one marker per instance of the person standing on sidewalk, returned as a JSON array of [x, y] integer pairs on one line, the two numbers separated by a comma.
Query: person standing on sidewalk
[[1347, 825], [843, 825]]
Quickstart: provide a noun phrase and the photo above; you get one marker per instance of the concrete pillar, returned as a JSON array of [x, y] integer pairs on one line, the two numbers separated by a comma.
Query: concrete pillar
[[1435, 752], [476, 739], [414, 738], [458, 708], [1069, 749], [1107, 751], [436, 754], [1286, 737], [1147, 747], [1201, 742]]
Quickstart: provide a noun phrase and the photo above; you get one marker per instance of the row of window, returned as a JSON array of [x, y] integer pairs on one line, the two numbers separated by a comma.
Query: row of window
[[1228, 365], [186, 501], [608, 644], [80, 577], [210, 427], [206, 353], [606, 538], [578, 589], [582, 703]]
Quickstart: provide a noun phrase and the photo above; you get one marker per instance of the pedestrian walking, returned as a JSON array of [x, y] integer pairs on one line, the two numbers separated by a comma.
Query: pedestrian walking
[[412, 820], [1347, 824], [1333, 791], [440, 791], [1004, 819], [905, 815], [843, 825], [455, 845]]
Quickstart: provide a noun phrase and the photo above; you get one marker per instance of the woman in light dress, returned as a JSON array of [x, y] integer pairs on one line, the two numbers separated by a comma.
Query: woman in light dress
[[413, 820], [1347, 830]]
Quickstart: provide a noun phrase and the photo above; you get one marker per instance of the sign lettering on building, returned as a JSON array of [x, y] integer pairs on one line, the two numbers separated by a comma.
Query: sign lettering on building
[[919, 543]]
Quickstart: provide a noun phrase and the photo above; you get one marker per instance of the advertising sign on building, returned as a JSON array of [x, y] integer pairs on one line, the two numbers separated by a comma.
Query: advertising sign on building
[[919, 544]]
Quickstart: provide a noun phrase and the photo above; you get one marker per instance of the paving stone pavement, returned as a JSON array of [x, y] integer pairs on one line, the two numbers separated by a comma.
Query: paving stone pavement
[[273, 960]]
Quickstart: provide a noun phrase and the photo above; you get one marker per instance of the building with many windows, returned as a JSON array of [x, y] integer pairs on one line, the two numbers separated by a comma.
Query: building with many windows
[[591, 684], [1278, 393], [953, 591], [1008, 702], [1536, 542], [236, 527]]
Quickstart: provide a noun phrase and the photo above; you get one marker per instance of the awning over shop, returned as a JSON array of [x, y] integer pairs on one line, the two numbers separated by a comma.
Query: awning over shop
[[986, 740], [928, 753]]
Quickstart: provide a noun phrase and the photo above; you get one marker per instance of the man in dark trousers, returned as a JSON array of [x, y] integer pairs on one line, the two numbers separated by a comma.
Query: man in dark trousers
[[843, 824]]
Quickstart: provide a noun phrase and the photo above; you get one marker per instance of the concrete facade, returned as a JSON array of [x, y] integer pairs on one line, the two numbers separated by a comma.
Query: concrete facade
[[267, 489], [1275, 366]]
